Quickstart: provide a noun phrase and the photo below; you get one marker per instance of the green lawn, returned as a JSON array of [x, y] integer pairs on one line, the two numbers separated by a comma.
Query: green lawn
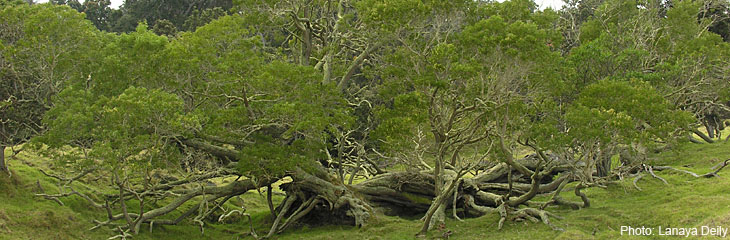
[[685, 202]]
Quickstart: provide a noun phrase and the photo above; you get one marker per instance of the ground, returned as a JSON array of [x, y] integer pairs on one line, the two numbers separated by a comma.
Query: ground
[[685, 202]]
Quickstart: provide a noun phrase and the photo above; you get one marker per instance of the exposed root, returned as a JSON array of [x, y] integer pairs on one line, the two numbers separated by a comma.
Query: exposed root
[[541, 214], [129, 223], [717, 168], [562, 202], [253, 231], [649, 169], [315, 195], [455, 198], [694, 140], [636, 179], [557, 200], [583, 197], [285, 208], [310, 191], [303, 209], [502, 210], [530, 214], [124, 234], [481, 210]]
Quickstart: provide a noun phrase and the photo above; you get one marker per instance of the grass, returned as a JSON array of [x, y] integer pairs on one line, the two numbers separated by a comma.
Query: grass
[[24, 216], [685, 202]]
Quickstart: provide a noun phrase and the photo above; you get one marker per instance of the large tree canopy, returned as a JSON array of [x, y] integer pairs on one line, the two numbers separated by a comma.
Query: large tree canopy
[[431, 105], [38, 58]]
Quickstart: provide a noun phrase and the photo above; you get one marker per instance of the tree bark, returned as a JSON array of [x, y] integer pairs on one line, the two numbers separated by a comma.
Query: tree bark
[[347, 78], [710, 126], [702, 135], [269, 201], [438, 208], [603, 164], [3, 167], [411, 193]]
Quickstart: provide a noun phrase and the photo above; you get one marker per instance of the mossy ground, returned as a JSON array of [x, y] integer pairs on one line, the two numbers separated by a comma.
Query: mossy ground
[[685, 202]]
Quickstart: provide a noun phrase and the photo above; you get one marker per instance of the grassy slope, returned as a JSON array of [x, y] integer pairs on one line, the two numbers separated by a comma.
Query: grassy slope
[[686, 202]]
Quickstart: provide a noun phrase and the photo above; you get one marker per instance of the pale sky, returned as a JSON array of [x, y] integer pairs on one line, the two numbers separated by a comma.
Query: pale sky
[[115, 3], [555, 4]]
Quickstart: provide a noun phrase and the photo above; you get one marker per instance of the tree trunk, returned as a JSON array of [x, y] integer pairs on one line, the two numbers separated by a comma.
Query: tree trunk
[[3, 167], [603, 165], [436, 214], [306, 41], [702, 135], [710, 128], [415, 193]]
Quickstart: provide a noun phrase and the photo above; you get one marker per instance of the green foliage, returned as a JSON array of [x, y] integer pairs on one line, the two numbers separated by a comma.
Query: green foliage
[[42, 49], [200, 18], [619, 111], [130, 59], [177, 12], [500, 68], [213, 82], [125, 132], [670, 48], [164, 27], [268, 159], [10, 3], [398, 121], [499, 59]]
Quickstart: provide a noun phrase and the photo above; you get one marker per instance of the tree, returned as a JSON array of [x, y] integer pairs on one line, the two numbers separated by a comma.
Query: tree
[[42, 48], [666, 61], [199, 18], [322, 91], [131, 127], [164, 28], [693, 47], [612, 113], [717, 11], [466, 92], [572, 17], [5, 3], [177, 12], [98, 12]]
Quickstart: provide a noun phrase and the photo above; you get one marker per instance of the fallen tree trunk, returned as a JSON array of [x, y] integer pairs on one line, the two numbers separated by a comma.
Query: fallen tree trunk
[[412, 193]]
